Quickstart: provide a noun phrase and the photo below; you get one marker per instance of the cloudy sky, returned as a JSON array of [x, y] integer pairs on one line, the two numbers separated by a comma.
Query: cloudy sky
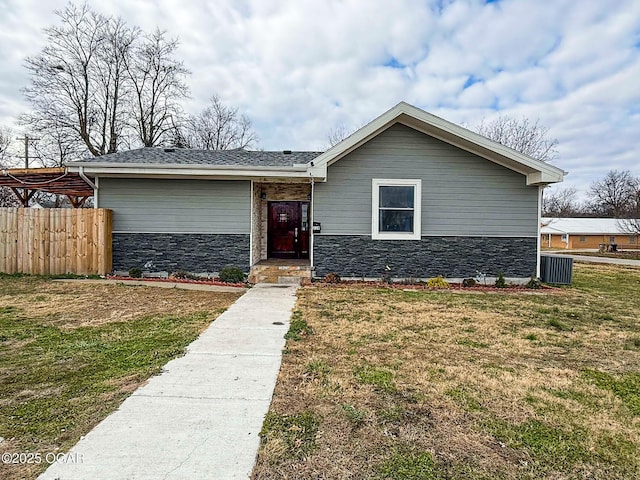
[[299, 68]]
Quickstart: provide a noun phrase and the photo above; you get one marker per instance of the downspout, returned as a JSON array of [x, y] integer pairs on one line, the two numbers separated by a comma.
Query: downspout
[[91, 184], [311, 234], [251, 234], [539, 240], [86, 179]]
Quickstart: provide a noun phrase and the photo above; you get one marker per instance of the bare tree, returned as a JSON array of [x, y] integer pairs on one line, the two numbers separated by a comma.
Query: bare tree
[[522, 135], [614, 195], [158, 86], [631, 221], [338, 133], [630, 225], [561, 203], [219, 127], [55, 148], [77, 79], [5, 143], [113, 82], [7, 198]]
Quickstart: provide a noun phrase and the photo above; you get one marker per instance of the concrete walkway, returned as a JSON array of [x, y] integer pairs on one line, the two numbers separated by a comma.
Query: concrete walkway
[[587, 259], [201, 417]]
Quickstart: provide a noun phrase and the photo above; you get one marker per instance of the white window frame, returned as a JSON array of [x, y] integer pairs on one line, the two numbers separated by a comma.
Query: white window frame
[[376, 183]]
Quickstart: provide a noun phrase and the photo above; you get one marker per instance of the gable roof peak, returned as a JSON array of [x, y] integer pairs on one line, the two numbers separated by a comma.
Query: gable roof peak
[[536, 171]]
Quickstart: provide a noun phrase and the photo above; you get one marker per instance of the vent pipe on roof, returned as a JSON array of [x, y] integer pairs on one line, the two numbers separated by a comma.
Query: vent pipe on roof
[[286, 152]]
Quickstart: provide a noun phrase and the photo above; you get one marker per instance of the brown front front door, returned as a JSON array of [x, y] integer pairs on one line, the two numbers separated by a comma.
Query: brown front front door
[[288, 230]]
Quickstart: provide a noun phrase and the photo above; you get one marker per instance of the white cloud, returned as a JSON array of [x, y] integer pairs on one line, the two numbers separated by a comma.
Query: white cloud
[[300, 67]]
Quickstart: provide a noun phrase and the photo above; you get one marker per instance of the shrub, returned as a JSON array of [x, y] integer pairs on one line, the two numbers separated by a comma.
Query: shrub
[[232, 275], [179, 274], [182, 274], [135, 272], [534, 283], [500, 281], [332, 278], [469, 282], [437, 282]]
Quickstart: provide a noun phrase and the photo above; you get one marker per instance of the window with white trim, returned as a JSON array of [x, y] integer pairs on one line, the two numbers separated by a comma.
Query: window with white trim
[[396, 209]]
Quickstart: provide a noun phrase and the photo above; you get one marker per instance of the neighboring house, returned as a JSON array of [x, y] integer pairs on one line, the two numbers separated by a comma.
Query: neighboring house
[[409, 194], [589, 233]]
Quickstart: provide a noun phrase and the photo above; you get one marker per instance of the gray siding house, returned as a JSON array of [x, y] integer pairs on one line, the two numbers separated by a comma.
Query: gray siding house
[[409, 195]]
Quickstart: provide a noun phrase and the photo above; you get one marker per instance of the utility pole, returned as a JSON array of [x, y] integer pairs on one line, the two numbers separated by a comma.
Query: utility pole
[[26, 194], [26, 140]]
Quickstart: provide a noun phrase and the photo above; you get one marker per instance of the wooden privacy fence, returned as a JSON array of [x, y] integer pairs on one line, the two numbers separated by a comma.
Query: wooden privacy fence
[[51, 241]]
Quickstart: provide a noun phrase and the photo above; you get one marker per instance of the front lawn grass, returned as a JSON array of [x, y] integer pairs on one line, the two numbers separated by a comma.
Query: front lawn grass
[[70, 354], [462, 385]]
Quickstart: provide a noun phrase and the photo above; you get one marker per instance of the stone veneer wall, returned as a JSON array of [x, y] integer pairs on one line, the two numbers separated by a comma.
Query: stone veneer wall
[[256, 223], [451, 257], [274, 192], [172, 251]]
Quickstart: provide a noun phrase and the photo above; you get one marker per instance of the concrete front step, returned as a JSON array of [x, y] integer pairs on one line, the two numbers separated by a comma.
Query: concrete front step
[[283, 274], [280, 280]]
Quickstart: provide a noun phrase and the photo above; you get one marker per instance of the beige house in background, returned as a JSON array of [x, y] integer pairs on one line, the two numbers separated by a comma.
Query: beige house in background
[[577, 233]]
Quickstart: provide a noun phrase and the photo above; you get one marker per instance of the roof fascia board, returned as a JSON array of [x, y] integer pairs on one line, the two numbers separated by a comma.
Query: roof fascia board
[[156, 171], [255, 178], [583, 232], [178, 166]]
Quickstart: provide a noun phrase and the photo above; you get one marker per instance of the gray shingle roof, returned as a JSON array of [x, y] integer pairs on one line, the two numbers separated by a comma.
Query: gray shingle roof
[[185, 156]]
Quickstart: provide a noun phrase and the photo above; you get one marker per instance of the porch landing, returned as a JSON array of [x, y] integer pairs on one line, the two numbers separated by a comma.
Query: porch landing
[[283, 271]]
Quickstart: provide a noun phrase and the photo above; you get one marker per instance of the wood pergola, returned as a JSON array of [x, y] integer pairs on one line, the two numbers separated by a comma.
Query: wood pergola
[[24, 182]]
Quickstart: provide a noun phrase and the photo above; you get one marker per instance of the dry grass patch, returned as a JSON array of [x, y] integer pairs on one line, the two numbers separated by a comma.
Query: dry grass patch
[[70, 354], [72, 305], [448, 385]]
